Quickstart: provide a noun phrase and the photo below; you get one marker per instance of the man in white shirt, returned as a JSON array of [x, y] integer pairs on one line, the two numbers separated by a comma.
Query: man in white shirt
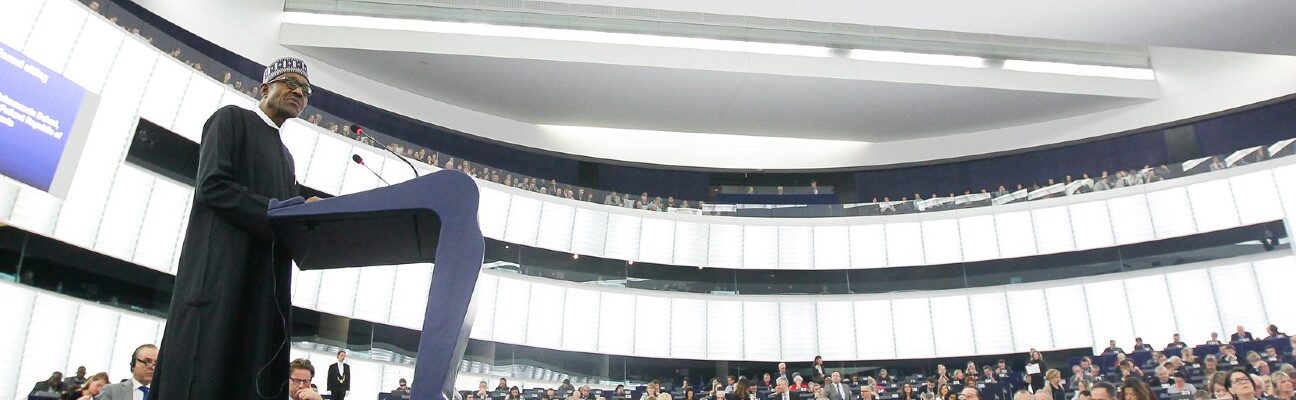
[[836, 389], [339, 377], [781, 391], [137, 387]]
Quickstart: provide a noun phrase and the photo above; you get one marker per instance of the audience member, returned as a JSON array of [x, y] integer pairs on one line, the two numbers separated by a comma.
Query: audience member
[[339, 377], [143, 360], [1241, 335], [93, 386], [300, 375], [403, 389], [1240, 385], [52, 385]]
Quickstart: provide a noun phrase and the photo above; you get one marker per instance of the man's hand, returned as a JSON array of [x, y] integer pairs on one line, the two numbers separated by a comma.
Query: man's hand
[[313, 199], [308, 393]]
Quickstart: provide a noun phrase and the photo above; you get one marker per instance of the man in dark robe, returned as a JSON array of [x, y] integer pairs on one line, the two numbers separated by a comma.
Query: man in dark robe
[[226, 336]]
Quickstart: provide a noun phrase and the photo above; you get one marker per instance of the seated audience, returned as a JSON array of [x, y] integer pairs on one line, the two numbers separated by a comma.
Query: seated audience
[[92, 388], [1241, 335], [142, 362], [300, 375], [52, 385], [404, 390]]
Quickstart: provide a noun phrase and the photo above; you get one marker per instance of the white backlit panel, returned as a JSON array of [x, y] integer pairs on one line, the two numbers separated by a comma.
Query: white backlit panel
[[724, 330], [161, 232], [623, 233], [904, 244], [328, 162], [1194, 304], [1285, 179], [760, 247], [1256, 197], [617, 323], [359, 178], [555, 226], [580, 320], [545, 318], [92, 339], [15, 26], [1107, 299], [511, 299], [17, 315], [98, 44], [365, 375], [1092, 225], [688, 327], [300, 141], [124, 213], [55, 33], [411, 293], [234, 97], [951, 321], [374, 293], [165, 89], [1015, 233], [657, 241], [1150, 311], [652, 326], [492, 212], [589, 232], [132, 331], [1237, 297], [1053, 230], [396, 171], [795, 247], [1068, 317], [990, 324], [831, 247], [1130, 220], [201, 99], [725, 247], [690, 243], [523, 220], [337, 291], [874, 334], [1171, 213], [977, 238], [760, 335], [1029, 313], [37, 211], [941, 244], [798, 334], [52, 321], [868, 248], [913, 328], [835, 327], [1212, 204], [1274, 277], [305, 286]]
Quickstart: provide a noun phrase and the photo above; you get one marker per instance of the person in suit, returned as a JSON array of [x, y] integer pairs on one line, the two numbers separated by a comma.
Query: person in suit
[[339, 377], [781, 389], [78, 380], [143, 360], [1140, 346], [1176, 344], [584, 394], [1214, 340], [404, 390], [835, 388], [818, 368], [783, 373], [1241, 336], [1112, 348], [52, 385]]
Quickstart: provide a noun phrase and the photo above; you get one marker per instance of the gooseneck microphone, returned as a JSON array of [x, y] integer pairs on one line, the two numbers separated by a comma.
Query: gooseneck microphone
[[356, 129], [360, 160]]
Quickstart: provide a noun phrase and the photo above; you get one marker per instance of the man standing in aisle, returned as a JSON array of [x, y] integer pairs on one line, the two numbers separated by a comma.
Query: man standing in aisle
[[227, 335], [339, 377]]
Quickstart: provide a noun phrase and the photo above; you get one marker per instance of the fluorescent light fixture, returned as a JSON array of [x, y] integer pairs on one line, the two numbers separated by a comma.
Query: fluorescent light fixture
[[1080, 69], [917, 58], [570, 35]]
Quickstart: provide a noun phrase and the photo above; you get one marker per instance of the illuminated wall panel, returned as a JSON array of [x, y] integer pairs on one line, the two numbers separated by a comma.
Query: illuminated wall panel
[[1171, 212], [868, 248], [1213, 206], [831, 247], [760, 247], [904, 244]]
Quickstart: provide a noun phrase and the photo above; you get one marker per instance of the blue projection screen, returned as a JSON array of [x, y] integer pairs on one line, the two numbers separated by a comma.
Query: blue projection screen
[[44, 120]]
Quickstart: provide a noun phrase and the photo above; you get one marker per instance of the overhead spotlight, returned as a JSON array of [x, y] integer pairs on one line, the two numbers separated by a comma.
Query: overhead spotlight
[[575, 256], [630, 262]]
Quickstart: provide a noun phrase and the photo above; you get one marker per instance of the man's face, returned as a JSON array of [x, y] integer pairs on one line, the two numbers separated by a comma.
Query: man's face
[[283, 101], [341, 357], [969, 394], [145, 360], [836, 377], [1111, 343], [866, 393], [584, 391], [782, 367], [1163, 375], [81, 372], [782, 386], [298, 381], [1240, 329], [1176, 338], [1099, 394]]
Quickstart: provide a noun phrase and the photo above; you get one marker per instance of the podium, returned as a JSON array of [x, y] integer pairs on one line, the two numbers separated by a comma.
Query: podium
[[427, 219]]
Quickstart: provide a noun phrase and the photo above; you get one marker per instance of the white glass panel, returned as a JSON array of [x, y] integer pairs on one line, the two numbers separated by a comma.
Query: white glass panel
[[37, 211], [617, 323], [1275, 277], [555, 226], [1212, 204], [165, 88], [831, 247], [98, 43], [1285, 179], [1107, 301], [15, 26], [359, 178], [688, 328], [511, 298], [545, 318], [652, 326], [951, 321], [797, 319], [941, 243], [580, 323], [913, 328], [17, 317], [874, 331], [656, 243], [836, 330], [124, 213], [396, 171], [868, 248], [589, 232], [795, 247], [305, 292], [234, 97], [92, 339], [338, 291], [760, 247], [163, 220], [412, 282], [366, 375], [1053, 230], [1238, 298], [132, 331], [492, 212], [1256, 197], [523, 220], [1069, 317], [484, 305], [724, 330], [201, 99], [623, 237], [904, 244], [1130, 220], [300, 141], [690, 243], [1015, 233], [327, 164], [52, 321], [990, 324], [1092, 225], [1150, 311], [55, 33], [725, 247], [374, 293], [1171, 214], [977, 236], [1028, 310], [760, 334], [1194, 305]]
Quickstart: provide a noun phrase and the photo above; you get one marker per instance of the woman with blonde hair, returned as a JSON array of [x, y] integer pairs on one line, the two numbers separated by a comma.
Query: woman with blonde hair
[[1053, 384], [93, 386], [1281, 384]]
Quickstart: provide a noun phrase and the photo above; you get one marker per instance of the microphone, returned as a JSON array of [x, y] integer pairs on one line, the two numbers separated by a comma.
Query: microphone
[[359, 160], [360, 131]]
